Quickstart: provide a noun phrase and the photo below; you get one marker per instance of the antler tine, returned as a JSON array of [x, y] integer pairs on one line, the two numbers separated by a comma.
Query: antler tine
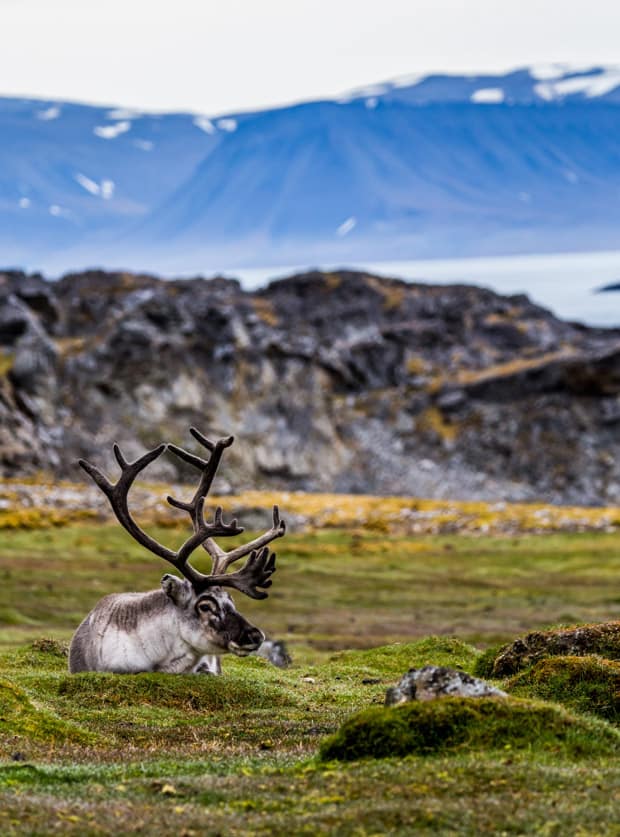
[[255, 573], [209, 469], [210, 446], [260, 565], [117, 494], [278, 530]]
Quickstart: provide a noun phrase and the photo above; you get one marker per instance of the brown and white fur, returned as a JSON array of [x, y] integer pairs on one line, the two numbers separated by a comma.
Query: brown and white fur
[[173, 630]]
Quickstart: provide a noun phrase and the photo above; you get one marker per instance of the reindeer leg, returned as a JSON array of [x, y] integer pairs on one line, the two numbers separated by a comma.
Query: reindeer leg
[[209, 664]]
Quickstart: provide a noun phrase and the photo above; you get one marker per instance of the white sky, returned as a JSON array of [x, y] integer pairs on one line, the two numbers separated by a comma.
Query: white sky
[[214, 56]]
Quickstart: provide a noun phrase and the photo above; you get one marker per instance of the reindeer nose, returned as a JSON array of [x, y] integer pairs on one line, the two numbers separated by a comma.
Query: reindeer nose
[[255, 636]]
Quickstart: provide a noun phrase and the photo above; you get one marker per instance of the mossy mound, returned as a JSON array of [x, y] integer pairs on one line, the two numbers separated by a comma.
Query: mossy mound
[[183, 692], [586, 684], [483, 666], [602, 639], [389, 661], [41, 655], [20, 718], [427, 727]]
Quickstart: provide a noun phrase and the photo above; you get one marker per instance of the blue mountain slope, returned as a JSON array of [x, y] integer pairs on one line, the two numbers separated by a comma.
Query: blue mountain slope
[[439, 166], [70, 173]]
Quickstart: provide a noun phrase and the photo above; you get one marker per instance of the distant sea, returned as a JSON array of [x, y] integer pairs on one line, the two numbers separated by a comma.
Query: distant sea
[[566, 283]]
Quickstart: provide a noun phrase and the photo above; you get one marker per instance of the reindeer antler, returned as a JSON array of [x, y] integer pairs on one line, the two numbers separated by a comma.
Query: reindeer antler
[[259, 567], [221, 559]]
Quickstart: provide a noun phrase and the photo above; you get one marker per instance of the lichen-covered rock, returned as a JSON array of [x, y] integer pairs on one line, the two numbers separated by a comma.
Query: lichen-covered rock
[[602, 639], [433, 682]]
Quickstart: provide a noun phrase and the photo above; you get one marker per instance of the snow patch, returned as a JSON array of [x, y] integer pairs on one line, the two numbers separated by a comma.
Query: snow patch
[[88, 184], [107, 189], [205, 124], [550, 72], [346, 226], [24, 203], [228, 125], [371, 91], [488, 96], [410, 80], [122, 113], [104, 190], [48, 114], [112, 131], [589, 86], [144, 145]]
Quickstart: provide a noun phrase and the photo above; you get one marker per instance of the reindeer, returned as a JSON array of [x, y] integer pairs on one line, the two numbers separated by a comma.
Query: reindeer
[[190, 622]]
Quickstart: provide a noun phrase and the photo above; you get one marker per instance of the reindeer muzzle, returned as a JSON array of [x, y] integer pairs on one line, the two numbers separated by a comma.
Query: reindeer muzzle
[[252, 641]]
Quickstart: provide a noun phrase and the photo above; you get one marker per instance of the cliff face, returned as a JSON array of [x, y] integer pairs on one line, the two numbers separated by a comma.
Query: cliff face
[[339, 382]]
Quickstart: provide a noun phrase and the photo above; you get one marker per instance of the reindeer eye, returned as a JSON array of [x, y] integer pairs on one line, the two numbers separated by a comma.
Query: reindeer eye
[[206, 607]]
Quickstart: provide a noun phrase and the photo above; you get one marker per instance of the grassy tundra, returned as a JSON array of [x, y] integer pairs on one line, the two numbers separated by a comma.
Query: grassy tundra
[[161, 754]]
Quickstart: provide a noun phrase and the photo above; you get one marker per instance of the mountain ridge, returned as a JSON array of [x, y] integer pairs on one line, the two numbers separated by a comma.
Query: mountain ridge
[[447, 166]]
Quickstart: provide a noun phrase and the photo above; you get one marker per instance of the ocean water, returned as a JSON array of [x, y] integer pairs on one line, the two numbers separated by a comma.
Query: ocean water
[[565, 283]]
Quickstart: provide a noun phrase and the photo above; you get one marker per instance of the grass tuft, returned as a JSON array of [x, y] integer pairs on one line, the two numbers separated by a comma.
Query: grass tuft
[[428, 727], [396, 659]]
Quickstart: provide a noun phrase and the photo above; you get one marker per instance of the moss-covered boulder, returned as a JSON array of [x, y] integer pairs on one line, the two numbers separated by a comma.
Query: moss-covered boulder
[[450, 723], [586, 684], [20, 718], [602, 639]]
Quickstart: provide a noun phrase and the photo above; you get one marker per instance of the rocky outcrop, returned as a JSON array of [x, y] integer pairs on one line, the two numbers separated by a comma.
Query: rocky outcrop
[[334, 382]]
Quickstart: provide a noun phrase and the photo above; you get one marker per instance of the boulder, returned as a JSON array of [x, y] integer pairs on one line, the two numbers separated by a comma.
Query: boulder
[[275, 652], [433, 682]]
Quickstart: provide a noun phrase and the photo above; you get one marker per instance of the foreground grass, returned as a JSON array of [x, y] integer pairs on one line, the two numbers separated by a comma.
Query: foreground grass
[[155, 754]]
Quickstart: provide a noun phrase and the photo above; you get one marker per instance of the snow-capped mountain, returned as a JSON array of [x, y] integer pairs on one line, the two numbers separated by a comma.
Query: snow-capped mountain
[[430, 166]]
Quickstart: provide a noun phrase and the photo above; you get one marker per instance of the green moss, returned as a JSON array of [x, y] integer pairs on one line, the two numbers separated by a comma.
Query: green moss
[[20, 718], [602, 639], [394, 660], [423, 728], [41, 655], [183, 692], [585, 684], [483, 666]]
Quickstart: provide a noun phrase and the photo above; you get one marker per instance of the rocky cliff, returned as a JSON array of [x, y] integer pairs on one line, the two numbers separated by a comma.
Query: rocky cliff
[[339, 382]]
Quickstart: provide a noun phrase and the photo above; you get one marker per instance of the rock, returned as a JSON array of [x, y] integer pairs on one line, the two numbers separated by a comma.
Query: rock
[[433, 682], [276, 652]]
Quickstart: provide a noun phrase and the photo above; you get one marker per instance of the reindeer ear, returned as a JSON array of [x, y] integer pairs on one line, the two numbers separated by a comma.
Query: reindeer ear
[[176, 589]]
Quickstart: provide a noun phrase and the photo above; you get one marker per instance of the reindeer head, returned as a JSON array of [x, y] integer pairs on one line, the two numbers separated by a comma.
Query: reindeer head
[[209, 622], [210, 619]]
